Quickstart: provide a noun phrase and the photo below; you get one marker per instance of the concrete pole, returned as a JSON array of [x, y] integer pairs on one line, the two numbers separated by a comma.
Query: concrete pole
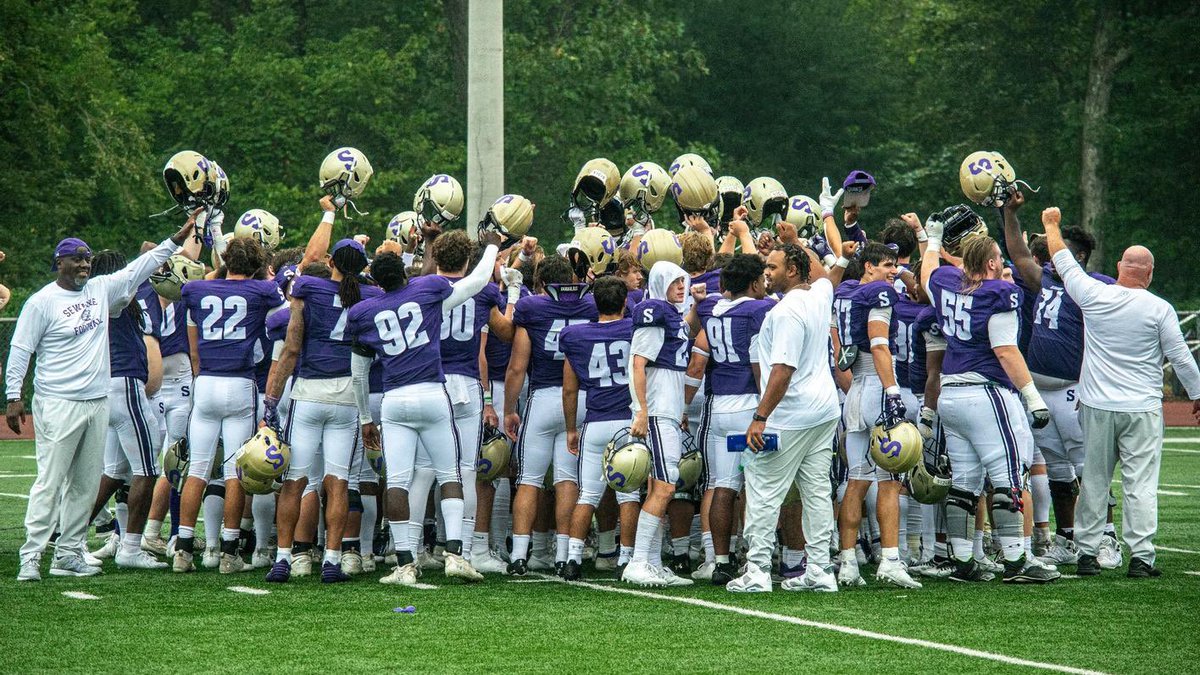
[[485, 108]]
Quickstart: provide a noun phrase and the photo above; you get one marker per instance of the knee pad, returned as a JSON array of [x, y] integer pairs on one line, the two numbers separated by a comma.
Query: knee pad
[[356, 503], [1064, 489], [962, 499], [215, 490], [122, 494], [1008, 500]]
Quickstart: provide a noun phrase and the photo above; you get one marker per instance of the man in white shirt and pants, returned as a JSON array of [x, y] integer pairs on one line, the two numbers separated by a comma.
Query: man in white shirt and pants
[[66, 325], [799, 403], [1127, 332]]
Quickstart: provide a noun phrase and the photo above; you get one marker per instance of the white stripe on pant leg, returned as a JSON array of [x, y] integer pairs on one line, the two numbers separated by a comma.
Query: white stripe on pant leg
[[845, 630]]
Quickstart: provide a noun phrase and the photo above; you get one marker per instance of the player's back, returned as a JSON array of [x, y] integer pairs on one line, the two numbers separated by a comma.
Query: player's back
[[402, 327], [230, 318], [543, 317], [599, 355]]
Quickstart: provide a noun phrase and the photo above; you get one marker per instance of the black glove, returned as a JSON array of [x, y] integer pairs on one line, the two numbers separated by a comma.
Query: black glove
[[1041, 417], [893, 410]]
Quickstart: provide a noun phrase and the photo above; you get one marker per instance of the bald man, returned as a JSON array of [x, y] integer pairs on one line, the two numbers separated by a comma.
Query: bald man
[[1127, 332]]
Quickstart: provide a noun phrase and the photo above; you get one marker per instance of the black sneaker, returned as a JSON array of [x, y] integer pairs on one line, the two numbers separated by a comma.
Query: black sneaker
[[518, 567], [970, 571], [1021, 571], [559, 569], [247, 543], [1088, 566], [724, 573], [573, 571], [681, 565], [1140, 569]]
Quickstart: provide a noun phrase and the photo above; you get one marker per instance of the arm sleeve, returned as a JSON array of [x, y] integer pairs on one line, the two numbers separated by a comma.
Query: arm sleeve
[[1002, 329], [648, 341], [881, 314], [1078, 283], [360, 376], [124, 283], [470, 285], [25, 339], [1170, 338]]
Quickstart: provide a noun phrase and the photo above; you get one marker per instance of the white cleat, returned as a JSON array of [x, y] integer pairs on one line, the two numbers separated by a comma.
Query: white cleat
[[1109, 554], [154, 545], [109, 549], [426, 561], [849, 575], [232, 564], [210, 558], [540, 563], [988, 565], [670, 579], [458, 567], [138, 560], [302, 564], [813, 579], [704, 572], [641, 574], [72, 566], [402, 575], [368, 564], [893, 572], [261, 558], [489, 563], [182, 562], [92, 560], [606, 563], [1063, 552], [753, 580], [352, 563]]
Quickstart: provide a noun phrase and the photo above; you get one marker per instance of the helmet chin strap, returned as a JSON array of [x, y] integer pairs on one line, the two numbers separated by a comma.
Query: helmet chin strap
[[168, 212]]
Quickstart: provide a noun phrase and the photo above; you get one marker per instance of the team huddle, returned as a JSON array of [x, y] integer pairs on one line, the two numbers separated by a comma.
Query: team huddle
[[594, 402]]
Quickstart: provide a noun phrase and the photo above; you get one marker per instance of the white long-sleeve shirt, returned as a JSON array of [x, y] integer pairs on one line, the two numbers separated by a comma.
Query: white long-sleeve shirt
[[68, 330], [1127, 333]]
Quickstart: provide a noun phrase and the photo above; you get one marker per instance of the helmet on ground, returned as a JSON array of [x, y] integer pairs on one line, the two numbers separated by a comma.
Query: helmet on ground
[[929, 482], [595, 184], [439, 200], [659, 244], [345, 172], [494, 455], [960, 222], [765, 200], [596, 245], [261, 225], [264, 457], [168, 281], [689, 159], [986, 178], [805, 214], [176, 461], [403, 227], [626, 462], [897, 449], [644, 188], [510, 215], [729, 192], [188, 178]]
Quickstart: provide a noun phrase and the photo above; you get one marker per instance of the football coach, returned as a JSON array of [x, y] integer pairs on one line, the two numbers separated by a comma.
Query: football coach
[[66, 325]]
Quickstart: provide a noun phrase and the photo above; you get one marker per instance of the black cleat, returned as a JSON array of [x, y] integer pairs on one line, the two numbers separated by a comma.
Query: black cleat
[[559, 569], [1021, 571], [620, 571], [572, 571], [518, 567], [681, 565], [1140, 569], [970, 571], [1088, 566], [724, 573]]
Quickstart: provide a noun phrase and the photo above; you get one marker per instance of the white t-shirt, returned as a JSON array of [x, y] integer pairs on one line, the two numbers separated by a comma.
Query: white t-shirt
[[796, 333], [68, 331], [1127, 332]]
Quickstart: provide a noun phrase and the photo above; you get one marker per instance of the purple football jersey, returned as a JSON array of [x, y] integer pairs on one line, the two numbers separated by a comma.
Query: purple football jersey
[[918, 373], [172, 331], [1056, 347], [277, 324], [498, 351], [152, 309], [904, 320], [729, 335], [599, 355], [230, 319], [632, 299], [126, 344], [461, 328], [852, 305], [676, 341], [402, 328], [543, 318], [964, 321], [326, 350], [711, 280], [1029, 299]]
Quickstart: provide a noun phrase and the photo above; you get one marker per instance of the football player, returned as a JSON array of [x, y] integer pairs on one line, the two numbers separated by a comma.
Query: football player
[[725, 355], [866, 330], [660, 359], [541, 438], [982, 371], [597, 364], [402, 327], [226, 322]]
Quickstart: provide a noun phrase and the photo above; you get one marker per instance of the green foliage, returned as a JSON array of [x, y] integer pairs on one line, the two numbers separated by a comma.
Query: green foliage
[[97, 94]]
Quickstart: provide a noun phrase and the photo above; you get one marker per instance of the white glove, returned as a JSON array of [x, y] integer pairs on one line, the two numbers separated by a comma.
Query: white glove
[[928, 418], [933, 230], [512, 279], [828, 200], [216, 221]]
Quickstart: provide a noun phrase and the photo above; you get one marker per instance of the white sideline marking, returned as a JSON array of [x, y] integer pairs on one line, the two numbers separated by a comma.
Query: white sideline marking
[[13, 494], [1189, 452], [1172, 493], [80, 595], [1176, 550], [1068, 576], [1182, 439], [26, 456], [424, 587], [18, 475], [528, 581], [248, 591], [1193, 573], [857, 632]]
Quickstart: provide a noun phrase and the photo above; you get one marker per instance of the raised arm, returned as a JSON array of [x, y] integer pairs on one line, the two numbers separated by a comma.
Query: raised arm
[[318, 243], [1018, 250], [469, 286]]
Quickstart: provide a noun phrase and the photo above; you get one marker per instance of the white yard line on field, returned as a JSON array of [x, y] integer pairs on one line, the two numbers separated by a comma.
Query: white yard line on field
[[1192, 572], [847, 630], [80, 595], [529, 581], [18, 475], [1176, 550], [1181, 439], [424, 587], [248, 590], [14, 495], [1186, 452], [1172, 493]]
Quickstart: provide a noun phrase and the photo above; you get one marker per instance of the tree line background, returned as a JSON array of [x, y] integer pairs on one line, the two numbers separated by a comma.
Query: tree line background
[[1096, 102]]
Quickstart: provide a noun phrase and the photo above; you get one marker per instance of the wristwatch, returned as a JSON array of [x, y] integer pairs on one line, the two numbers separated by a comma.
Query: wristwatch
[[759, 418]]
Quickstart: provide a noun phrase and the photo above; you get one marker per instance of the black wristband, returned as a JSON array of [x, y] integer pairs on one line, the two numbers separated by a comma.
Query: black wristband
[[759, 418]]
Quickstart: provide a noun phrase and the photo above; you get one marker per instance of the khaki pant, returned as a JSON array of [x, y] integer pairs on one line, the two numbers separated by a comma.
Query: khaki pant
[[69, 445], [804, 457], [1135, 441]]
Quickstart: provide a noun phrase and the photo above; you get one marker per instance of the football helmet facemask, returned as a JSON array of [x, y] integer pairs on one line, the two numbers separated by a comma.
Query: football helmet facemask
[[766, 202], [643, 189], [168, 281], [960, 222], [176, 461], [626, 462], [897, 449], [691, 464], [929, 481], [261, 225], [439, 200], [221, 182], [494, 455]]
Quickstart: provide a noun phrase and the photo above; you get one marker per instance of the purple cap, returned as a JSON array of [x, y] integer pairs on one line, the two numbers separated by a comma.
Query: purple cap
[[858, 180], [70, 247], [349, 242]]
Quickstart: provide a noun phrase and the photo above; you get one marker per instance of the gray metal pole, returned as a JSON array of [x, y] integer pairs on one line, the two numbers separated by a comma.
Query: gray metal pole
[[485, 108]]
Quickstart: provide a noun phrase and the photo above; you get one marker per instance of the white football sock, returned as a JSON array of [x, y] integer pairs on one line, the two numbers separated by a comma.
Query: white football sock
[[625, 554], [452, 514], [575, 550], [132, 542], [562, 546], [541, 543], [710, 552], [284, 554], [153, 529], [401, 535], [520, 550], [366, 529], [606, 542], [263, 508], [479, 543], [679, 545], [646, 528]]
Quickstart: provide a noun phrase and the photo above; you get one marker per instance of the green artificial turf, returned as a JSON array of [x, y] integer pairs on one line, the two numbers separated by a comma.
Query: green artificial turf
[[157, 621]]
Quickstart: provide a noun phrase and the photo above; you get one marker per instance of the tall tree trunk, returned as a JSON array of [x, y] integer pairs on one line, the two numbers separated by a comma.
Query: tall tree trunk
[[1107, 58]]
